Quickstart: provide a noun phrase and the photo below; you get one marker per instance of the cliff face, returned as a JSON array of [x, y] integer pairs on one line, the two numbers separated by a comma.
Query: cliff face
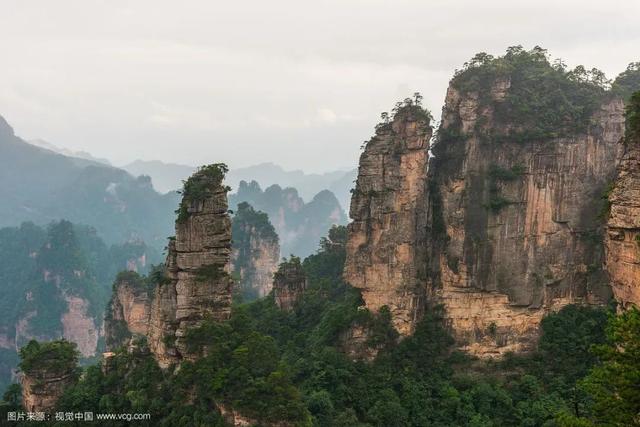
[[255, 253], [128, 311], [385, 253], [623, 227], [289, 283], [41, 390], [196, 284], [520, 229], [504, 225], [47, 370]]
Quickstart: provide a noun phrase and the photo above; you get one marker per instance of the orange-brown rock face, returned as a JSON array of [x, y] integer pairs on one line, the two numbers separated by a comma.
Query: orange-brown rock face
[[384, 255], [79, 327], [519, 229], [196, 284], [129, 310], [623, 229], [42, 390], [289, 283]]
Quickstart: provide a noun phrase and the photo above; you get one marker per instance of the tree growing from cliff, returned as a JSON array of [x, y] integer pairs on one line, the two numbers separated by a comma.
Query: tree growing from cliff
[[633, 118]]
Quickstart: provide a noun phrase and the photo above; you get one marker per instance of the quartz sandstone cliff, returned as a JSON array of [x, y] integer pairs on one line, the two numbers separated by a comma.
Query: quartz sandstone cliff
[[519, 222], [385, 249], [256, 251], [289, 283], [623, 227], [499, 231], [196, 284], [129, 310]]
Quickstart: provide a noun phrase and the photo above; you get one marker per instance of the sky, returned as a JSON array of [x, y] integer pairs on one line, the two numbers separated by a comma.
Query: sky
[[295, 82]]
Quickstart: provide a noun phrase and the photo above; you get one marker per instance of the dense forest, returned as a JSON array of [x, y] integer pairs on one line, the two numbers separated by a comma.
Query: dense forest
[[274, 366]]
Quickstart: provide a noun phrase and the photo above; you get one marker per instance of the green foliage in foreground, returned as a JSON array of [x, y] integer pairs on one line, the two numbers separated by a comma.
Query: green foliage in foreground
[[271, 365]]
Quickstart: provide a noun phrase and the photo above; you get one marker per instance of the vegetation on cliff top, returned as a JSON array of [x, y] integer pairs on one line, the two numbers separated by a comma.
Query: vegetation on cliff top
[[199, 186], [409, 108], [55, 357], [534, 99]]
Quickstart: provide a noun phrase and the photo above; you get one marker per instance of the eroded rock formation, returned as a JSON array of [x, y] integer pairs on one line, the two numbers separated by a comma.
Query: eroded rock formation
[[256, 251], [520, 225], [385, 255], [128, 311], [48, 369], [623, 227], [504, 223], [289, 283], [196, 282]]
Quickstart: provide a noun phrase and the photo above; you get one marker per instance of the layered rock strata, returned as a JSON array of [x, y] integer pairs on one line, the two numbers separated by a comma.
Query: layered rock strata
[[623, 227], [500, 227], [196, 284], [385, 250], [128, 311]]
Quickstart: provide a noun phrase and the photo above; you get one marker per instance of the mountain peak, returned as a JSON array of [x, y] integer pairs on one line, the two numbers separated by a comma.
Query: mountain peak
[[5, 129]]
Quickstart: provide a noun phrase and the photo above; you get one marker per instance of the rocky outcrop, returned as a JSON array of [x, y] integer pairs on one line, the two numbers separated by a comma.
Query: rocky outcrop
[[504, 224], [41, 391], [623, 227], [255, 253], [48, 369], [385, 253], [128, 311], [289, 283], [195, 284], [520, 225]]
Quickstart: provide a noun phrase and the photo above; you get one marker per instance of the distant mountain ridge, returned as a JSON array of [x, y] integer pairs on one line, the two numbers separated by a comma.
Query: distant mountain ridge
[[81, 155], [168, 176], [40, 185]]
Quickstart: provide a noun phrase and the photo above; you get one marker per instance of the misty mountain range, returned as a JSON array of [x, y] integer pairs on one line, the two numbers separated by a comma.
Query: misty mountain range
[[169, 176], [41, 182]]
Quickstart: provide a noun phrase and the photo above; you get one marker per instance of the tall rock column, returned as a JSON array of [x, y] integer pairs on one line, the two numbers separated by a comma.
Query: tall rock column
[[289, 283], [384, 250], [47, 370], [256, 251], [196, 284], [623, 227]]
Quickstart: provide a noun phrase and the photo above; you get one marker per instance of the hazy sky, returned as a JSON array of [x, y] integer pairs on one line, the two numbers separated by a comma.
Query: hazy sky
[[297, 82]]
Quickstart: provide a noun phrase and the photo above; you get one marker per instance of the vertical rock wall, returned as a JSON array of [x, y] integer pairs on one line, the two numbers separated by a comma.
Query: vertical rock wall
[[623, 227], [521, 233], [196, 285], [385, 250], [256, 251]]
